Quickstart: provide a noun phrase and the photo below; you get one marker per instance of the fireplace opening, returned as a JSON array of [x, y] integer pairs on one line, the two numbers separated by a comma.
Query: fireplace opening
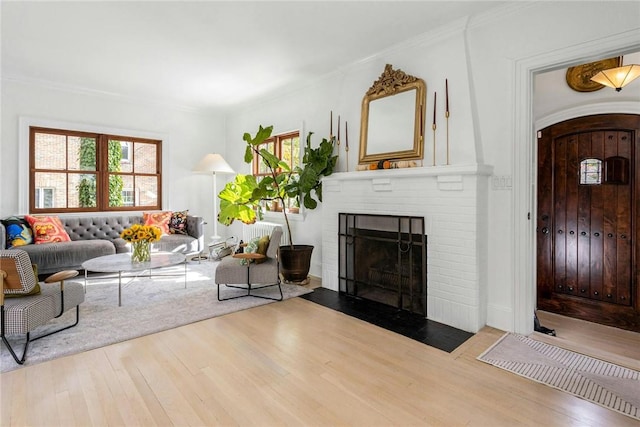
[[383, 258]]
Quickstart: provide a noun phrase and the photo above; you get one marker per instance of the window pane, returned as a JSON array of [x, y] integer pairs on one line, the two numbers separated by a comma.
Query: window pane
[[270, 147], [114, 156], [50, 151], [82, 153], [147, 190], [591, 171], [85, 194], [291, 151], [44, 197], [128, 193], [116, 184], [144, 158], [82, 190], [56, 183], [126, 158]]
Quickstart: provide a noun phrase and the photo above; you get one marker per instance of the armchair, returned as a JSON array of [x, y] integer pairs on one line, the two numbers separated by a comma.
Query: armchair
[[232, 273], [25, 304]]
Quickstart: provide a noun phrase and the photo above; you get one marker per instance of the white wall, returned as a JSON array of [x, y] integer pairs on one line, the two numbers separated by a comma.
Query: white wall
[[479, 58], [496, 51], [187, 137]]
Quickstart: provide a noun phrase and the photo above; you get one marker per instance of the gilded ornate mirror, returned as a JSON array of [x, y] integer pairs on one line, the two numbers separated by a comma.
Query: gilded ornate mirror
[[392, 123]]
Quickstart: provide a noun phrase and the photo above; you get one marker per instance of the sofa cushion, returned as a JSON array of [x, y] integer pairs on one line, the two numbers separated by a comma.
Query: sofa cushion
[[102, 227], [69, 255], [158, 219], [47, 229], [178, 222], [19, 232], [176, 243]]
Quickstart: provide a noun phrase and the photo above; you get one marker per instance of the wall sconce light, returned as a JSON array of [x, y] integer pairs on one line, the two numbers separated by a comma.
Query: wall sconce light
[[619, 77]]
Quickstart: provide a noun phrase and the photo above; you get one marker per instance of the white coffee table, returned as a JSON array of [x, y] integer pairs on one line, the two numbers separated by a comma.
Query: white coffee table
[[121, 263]]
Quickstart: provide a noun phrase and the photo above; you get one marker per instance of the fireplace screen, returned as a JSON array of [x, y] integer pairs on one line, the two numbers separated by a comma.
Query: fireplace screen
[[383, 258]]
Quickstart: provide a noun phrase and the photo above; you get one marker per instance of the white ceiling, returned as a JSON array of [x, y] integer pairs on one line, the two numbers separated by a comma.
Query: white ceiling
[[205, 54]]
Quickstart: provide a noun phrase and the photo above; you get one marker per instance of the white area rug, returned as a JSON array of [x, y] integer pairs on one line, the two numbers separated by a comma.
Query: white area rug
[[149, 305], [604, 383]]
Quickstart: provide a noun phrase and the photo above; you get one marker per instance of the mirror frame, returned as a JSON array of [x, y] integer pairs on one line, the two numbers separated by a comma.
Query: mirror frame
[[392, 82]]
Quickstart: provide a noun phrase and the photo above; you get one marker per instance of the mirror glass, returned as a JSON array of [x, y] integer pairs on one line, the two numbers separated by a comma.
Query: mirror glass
[[392, 125]]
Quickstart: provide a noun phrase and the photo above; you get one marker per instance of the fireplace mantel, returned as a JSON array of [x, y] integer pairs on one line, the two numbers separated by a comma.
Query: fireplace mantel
[[452, 200], [447, 177], [474, 169]]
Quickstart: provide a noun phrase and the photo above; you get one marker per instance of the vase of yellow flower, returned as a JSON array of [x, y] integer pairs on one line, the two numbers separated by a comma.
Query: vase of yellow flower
[[141, 237]]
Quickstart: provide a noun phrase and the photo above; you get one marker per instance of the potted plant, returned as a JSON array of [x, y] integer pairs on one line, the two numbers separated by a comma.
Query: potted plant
[[241, 199]]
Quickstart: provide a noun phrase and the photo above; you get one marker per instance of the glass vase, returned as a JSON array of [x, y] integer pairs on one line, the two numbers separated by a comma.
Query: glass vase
[[141, 252]]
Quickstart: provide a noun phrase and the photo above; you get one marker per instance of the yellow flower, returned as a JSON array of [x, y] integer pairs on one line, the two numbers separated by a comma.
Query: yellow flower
[[141, 233]]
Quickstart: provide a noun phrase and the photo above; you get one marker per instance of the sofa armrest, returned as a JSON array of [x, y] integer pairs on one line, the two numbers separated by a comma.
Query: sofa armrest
[[3, 237], [195, 225]]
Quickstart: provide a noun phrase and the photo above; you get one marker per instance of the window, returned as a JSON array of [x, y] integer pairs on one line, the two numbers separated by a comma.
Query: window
[[286, 147], [74, 171], [128, 198], [44, 197], [127, 152], [591, 172]]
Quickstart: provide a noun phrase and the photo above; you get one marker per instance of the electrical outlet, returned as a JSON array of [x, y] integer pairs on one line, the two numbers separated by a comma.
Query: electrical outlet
[[501, 182]]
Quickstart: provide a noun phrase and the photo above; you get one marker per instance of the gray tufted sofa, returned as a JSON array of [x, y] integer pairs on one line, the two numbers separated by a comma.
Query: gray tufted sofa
[[96, 236]]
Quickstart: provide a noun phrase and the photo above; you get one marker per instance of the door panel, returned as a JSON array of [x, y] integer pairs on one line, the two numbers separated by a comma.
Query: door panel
[[585, 230]]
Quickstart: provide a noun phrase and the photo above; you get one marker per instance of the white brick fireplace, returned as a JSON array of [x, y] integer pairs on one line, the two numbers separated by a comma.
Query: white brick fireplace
[[453, 201]]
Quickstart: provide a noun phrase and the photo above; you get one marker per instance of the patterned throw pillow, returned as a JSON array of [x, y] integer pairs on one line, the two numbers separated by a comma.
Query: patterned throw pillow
[[159, 219], [178, 222], [47, 229], [263, 245], [18, 232], [258, 245]]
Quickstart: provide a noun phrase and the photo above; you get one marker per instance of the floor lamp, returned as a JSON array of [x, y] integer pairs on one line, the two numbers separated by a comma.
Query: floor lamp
[[213, 164]]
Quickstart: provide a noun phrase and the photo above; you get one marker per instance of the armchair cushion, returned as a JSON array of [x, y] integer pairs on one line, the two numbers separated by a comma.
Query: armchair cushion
[[21, 278], [34, 291]]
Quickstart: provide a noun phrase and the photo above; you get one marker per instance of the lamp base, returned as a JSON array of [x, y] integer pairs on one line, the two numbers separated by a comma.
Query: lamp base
[[200, 257]]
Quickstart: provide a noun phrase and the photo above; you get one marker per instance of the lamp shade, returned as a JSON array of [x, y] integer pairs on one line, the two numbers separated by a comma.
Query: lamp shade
[[213, 163], [619, 77]]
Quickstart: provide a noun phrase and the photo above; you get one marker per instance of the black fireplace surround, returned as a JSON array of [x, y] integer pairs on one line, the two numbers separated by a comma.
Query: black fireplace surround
[[383, 258]]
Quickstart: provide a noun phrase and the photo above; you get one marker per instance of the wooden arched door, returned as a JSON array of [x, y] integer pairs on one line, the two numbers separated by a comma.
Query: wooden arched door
[[588, 219]]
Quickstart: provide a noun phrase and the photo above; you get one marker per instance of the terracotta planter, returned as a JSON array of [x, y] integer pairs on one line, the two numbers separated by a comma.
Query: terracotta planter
[[295, 262]]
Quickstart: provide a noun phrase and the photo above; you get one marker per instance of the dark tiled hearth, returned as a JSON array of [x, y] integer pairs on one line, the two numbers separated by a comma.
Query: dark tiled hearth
[[410, 325]]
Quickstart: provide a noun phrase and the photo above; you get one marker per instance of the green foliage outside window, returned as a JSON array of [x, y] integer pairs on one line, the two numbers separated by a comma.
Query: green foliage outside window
[[87, 186]]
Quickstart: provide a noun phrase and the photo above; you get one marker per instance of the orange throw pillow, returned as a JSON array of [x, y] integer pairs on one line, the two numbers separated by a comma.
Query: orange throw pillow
[[159, 219], [47, 229]]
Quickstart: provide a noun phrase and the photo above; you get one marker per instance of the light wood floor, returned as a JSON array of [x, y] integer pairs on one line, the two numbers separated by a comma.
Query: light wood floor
[[290, 363]]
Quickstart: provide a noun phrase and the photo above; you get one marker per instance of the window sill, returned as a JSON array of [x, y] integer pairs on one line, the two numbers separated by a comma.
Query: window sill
[[271, 215]]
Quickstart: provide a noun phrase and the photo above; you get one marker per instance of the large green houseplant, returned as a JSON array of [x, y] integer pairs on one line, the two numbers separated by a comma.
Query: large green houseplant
[[242, 199]]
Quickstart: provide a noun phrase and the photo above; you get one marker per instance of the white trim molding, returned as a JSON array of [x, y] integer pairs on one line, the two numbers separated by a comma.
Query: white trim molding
[[626, 107], [524, 178]]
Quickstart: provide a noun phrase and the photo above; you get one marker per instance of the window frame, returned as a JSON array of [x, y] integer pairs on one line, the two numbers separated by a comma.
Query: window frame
[[277, 141], [102, 173]]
